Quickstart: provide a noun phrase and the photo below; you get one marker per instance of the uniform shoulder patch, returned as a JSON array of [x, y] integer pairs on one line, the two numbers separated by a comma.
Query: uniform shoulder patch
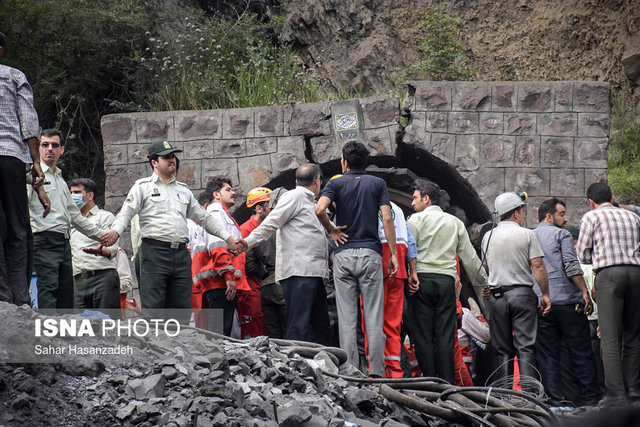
[[129, 198], [182, 183], [145, 179]]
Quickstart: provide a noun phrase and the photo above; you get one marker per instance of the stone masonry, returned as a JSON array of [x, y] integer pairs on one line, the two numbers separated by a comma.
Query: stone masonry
[[545, 138]]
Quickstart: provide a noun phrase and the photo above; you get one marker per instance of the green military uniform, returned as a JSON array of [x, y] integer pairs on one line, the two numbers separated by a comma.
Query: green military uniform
[[51, 248], [165, 262]]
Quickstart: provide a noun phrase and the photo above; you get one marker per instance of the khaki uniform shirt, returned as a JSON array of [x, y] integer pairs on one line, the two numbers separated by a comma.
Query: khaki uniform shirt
[[164, 209], [64, 211], [83, 261]]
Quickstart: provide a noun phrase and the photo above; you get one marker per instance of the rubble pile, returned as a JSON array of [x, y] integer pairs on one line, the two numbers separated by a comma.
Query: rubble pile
[[186, 380]]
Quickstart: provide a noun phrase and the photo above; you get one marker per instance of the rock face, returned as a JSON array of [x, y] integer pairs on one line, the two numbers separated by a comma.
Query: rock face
[[363, 43]]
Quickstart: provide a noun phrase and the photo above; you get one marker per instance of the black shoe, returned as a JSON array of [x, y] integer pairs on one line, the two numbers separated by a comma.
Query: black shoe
[[611, 401]]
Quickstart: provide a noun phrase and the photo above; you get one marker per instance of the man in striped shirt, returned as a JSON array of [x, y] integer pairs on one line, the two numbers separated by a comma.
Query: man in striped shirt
[[610, 240]]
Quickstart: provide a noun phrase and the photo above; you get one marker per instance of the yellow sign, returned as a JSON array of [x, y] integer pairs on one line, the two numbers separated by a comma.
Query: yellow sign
[[167, 145]]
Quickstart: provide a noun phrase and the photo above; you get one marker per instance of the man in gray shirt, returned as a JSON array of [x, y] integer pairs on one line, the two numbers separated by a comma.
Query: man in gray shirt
[[301, 256], [571, 306]]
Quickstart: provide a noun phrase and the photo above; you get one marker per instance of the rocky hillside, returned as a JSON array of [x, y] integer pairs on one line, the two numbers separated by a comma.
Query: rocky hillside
[[362, 44]]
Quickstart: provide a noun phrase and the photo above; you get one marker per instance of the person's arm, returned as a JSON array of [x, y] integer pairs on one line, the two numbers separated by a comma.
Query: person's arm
[[131, 206], [106, 221], [540, 274], [470, 261], [335, 232], [389, 234], [585, 242], [283, 212], [412, 258], [573, 270], [124, 271]]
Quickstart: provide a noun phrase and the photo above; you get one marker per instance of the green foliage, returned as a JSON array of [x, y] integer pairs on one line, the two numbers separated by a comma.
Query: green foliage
[[205, 62], [624, 154], [442, 49]]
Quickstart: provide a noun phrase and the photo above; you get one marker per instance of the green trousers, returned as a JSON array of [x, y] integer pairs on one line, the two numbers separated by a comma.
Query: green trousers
[[99, 291], [52, 261]]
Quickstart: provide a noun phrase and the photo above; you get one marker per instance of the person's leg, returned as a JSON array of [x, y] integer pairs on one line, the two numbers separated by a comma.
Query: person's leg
[[320, 313], [393, 301], [271, 311], [179, 287], [548, 355], [106, 295], [369, 271], [347, 302], [631, 333], [501, 330], [445, 326], [421, 323], [65, 281], [81, 292], [298, 297], [156, 270], [218, 300], [575, 330], [14, 263], [610, 317], [48, 254], [523, 304]]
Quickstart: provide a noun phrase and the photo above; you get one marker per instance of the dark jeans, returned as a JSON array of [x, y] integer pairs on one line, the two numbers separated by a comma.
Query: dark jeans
[[618, 293], [100, 291], [563, 322], [165, 282], [306, 309], [432, 320], [52, 261], [14, 213], [218, 300], [273, 310]]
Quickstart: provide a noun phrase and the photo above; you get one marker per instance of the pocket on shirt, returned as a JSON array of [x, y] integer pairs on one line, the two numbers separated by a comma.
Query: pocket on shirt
[[182, 206], [158, 203]]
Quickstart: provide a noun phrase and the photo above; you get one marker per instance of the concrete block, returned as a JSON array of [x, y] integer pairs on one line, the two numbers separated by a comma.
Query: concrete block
[[556, 152], [437, 121], [216, 167], [471, 96], [504, 96], [290, 154], [198, 125], [534, 181], [269, 121], [488, 182], [118, 129], [592, 97], [254, 172], [115, 154], [463, 122], [229, 148], [265, 145], [430, 96], [200, 149], [120, 179], [557, 124], [325, 148], [497, 150], [414, 132], [155, 126], [380, 141], [535, 97], [576, 208], [443, 146], [520, 123], [191, 173], [379, 111], [237, 123], [567, 182], [528, 151], [491, 122], [594, 175], [563, 96], [591, 152], [467, 154], [310, 119], [593, 124]]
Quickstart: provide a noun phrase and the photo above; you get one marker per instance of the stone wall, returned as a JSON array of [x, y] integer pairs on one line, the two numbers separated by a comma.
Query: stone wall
[[546, 138]]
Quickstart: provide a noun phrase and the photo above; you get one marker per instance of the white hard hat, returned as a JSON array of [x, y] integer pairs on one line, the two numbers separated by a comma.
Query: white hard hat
[[509, 201]]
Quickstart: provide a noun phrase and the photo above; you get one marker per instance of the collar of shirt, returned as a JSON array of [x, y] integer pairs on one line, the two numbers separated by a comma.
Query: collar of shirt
[[355, 172], [94, 210], [508, 224], [606, 205], [155, 178], [46, 168], [307, 193], [432, 208]]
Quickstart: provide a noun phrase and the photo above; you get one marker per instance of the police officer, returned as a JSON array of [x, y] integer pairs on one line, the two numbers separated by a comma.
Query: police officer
[[164, 204]]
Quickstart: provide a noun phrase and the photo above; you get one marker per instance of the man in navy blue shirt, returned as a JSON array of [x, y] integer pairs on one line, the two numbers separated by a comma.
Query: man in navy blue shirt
[[357, 264]]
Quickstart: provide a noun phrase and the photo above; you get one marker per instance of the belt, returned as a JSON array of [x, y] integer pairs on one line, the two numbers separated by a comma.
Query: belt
[[54, 234], [498, 291], [162, 244], [87, 274]]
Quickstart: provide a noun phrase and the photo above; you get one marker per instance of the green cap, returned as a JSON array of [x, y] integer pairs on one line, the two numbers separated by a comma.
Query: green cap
[[162, 148]]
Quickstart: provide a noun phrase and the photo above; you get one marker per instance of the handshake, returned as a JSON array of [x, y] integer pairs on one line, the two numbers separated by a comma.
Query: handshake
[[236, 246]]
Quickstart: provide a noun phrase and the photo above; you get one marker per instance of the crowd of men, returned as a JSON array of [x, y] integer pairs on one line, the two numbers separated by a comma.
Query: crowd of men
[[269, 275]]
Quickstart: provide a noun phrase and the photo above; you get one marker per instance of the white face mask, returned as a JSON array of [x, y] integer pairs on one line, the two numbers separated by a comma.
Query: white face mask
[[77, 198]]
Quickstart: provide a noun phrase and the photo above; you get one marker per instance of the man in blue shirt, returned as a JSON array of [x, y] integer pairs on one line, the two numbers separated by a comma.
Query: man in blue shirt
[[357, 263], [571, 305]]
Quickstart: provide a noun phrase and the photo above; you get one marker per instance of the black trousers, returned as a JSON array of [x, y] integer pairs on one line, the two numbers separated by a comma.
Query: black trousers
[[165, 282], [563, 322], [273, 310], [306, 309], [432, 320], [99, 291], [218, 300], [14, 214], [52, 261]]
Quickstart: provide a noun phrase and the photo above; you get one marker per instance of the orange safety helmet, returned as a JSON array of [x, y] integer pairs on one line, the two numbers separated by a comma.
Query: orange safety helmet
[[257, 195]]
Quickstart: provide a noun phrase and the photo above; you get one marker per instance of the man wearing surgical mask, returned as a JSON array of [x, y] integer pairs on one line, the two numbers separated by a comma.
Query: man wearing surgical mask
[[96, 280], [51, 247]]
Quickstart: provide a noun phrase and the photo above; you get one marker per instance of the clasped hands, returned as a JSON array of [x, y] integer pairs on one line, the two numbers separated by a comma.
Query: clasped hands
[[236, 246]]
